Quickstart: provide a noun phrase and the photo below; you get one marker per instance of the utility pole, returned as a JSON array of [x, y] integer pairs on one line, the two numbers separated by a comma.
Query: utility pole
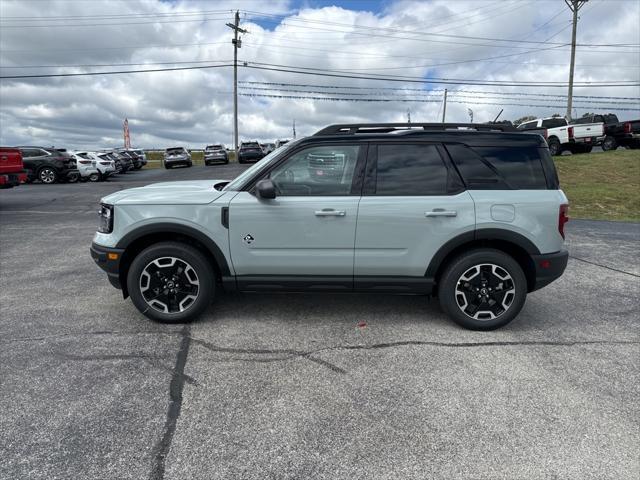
[[409, 117], [237, 43], [294, 128], [444, 107], [574, 6]]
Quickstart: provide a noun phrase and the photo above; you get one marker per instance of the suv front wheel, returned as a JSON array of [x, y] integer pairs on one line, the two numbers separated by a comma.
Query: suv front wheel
[[483, 289], [171, 282]]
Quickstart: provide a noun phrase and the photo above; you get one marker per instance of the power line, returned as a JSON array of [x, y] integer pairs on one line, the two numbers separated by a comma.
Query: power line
[[111, 72], [322, 73], [387, 100], [454, 93], [351, 87], [421, 32]]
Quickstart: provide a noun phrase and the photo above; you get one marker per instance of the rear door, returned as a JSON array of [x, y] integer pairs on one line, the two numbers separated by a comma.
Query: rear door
[[413, 203]]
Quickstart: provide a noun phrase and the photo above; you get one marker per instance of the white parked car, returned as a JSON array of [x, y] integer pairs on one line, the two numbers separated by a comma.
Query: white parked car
[[105, 165], [86, 167]]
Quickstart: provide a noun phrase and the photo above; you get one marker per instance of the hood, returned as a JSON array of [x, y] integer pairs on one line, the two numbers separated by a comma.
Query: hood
[[195, 192]]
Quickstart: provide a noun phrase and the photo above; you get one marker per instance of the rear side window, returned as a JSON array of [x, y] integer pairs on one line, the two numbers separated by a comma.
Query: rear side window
[[500, 167], [554, 122], [528, 125], [410, 170]]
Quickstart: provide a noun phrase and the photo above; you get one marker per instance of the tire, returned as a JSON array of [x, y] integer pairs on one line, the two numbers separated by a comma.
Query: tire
[[94, 177], [73, 178], [459, 283], [167, 167], [47, 175], [143, 280], [609, 143], [555, 148]]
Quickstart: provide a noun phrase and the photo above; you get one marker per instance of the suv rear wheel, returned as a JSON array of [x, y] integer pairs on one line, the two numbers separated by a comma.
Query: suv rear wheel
[[483, 289], [171, 282]]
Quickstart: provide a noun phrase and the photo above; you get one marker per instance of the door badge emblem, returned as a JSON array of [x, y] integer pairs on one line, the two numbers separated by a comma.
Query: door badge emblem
[[248, 239]]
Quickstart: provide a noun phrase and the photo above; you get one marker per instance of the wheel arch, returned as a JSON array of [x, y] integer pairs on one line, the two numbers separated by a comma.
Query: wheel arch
[[139, 239], [513, 244]]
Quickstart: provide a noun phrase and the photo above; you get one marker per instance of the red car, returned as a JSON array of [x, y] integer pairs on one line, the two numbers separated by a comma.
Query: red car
[[12, 171]]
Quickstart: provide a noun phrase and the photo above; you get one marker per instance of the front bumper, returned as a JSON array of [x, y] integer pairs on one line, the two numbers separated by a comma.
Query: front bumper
[[108, 259], [549, 267], [70, 173]]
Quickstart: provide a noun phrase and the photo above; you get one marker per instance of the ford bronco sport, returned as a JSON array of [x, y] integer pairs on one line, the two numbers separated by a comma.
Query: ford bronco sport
[[472, 214]]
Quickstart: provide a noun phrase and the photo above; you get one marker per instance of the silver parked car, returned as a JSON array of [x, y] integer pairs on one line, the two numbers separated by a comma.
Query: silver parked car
[[177, 156]]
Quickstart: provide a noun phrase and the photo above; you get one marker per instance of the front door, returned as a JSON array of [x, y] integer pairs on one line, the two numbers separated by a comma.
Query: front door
[[304, 236]]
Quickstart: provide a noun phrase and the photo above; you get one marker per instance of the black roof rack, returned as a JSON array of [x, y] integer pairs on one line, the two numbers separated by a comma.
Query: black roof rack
[[351, 129]]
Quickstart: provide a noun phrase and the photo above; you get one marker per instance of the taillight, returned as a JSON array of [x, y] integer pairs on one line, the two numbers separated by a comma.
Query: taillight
[[627, 127], [563, 218], [84, 162], [545, 134], [570, 130]]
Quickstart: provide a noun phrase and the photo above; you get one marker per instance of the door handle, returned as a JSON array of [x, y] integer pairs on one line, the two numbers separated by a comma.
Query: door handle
[[329, 212], [441, 212]]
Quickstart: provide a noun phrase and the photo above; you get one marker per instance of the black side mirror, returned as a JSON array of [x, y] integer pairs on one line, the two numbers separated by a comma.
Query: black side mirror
[[266, 189]]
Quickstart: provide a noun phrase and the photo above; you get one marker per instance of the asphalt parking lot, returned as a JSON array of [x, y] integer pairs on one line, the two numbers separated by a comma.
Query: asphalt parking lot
[[306, 386]]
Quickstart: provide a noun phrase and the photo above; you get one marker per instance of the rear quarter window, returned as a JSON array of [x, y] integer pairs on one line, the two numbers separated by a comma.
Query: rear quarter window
[[500, 167]]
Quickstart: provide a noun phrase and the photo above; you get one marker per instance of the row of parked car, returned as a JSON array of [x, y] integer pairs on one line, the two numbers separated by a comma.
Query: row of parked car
[[49, 165], [218, 153], [581, 135]]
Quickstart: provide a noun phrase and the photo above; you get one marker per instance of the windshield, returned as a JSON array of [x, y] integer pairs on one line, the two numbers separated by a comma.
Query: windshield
[[237, 183], [214, 147], [174, 151], [249, 145]]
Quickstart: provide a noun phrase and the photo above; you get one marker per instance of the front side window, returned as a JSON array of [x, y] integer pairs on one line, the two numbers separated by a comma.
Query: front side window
[[322, 170], [410, 170]]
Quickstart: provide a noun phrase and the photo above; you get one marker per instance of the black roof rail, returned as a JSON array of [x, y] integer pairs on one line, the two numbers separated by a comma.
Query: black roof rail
[[353, 128]]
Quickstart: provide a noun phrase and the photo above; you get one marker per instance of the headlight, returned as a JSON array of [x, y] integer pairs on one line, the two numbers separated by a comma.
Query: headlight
[[106, 218]]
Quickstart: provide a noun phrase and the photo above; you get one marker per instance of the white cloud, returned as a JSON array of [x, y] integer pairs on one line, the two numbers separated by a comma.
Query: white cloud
[[195, 107]]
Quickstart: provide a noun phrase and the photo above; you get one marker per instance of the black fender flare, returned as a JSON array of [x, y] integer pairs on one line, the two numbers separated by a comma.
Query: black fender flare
[[177, 228], [481, 234]]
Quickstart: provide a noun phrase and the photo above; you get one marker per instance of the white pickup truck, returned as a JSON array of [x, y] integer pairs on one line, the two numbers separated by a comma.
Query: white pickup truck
[[561, 136]]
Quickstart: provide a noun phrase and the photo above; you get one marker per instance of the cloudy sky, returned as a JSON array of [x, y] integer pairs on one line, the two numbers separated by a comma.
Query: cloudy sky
[[489, 54]]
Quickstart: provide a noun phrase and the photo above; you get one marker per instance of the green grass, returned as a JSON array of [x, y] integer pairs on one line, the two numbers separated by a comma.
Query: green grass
[[602, 186]]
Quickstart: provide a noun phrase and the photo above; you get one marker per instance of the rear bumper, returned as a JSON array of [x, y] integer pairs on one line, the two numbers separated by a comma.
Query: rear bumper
[[589, 140], [549, 267], [9, 180], [108, 259], [250, 157]]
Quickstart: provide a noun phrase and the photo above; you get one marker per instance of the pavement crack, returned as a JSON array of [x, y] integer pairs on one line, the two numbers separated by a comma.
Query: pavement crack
[[282, 354], [82, 334], [162, 448], [604, 266]]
